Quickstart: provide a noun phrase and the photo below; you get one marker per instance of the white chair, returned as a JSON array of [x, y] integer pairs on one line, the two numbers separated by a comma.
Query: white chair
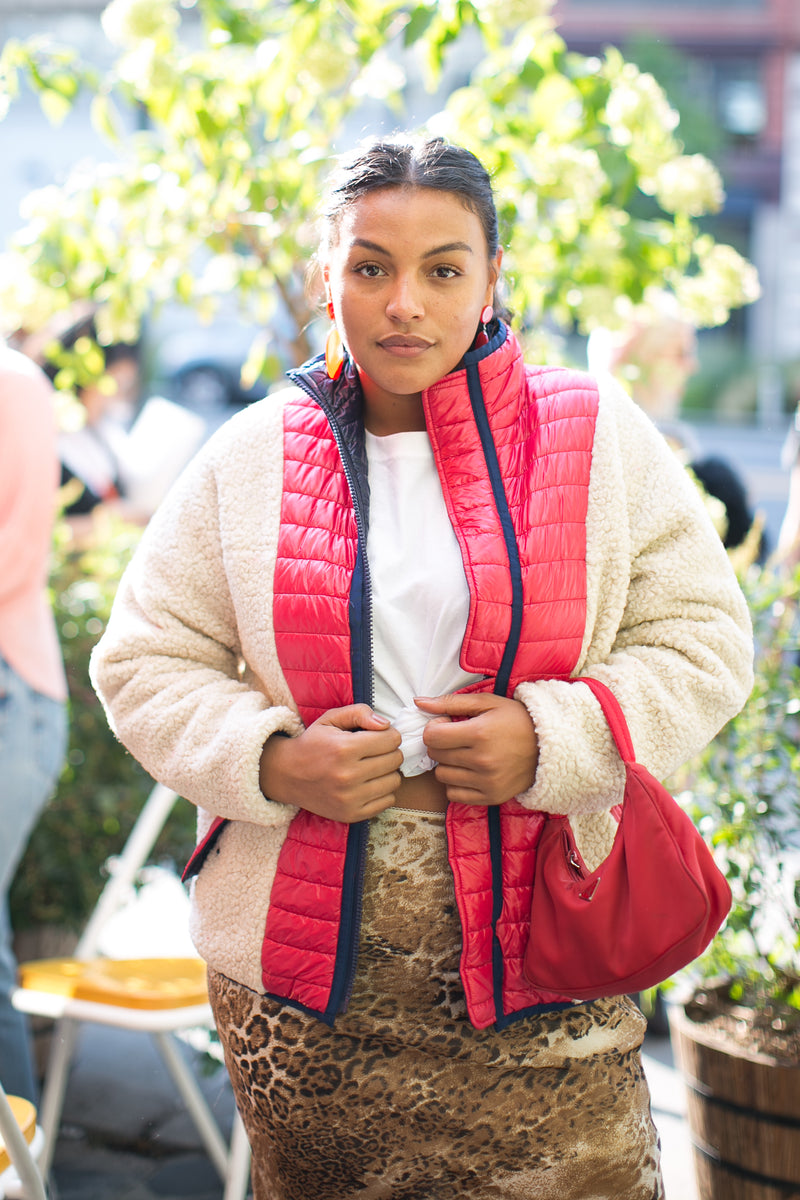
[[20, 1139], [159, 996]]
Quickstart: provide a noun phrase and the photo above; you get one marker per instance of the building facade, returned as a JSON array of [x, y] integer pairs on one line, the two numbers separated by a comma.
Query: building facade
[[743, 58]]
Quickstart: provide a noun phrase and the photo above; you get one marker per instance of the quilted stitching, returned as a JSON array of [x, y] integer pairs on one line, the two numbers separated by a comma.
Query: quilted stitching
[[542, 423], [298, 955], [316, 555]]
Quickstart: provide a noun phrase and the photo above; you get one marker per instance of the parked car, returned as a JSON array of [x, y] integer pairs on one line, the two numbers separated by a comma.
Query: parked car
[[207, 386]]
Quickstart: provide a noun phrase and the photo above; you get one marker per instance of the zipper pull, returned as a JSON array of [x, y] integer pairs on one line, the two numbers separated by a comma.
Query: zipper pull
[[576, 866], [571, 855], [574, 862]]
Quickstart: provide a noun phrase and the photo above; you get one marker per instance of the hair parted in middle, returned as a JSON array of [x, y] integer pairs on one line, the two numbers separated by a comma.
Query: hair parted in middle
[[406, 161]]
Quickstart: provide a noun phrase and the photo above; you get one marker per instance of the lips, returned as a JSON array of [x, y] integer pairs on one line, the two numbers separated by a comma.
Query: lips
[[404, 341]]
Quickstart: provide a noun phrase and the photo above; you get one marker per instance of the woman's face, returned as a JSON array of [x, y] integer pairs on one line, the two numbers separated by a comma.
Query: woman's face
[[408, 274]]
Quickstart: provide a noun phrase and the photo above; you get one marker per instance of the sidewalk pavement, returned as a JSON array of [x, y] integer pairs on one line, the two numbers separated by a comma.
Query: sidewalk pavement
[[668, 1101], [125, 1136]]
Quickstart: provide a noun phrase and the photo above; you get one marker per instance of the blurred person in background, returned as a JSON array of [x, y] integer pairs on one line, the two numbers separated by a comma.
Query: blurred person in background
[[94, 454], [654, 355], [33, 691], [788, 551], [120, 456]]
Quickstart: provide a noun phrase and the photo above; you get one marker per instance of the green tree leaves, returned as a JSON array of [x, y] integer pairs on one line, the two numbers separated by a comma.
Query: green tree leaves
[[242, 104]]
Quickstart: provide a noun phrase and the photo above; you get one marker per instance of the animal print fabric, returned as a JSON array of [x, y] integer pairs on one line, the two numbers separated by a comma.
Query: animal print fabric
[[404, 1099]]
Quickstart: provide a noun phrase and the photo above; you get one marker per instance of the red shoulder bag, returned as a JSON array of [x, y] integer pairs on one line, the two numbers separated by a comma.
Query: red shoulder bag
[[650, 908]]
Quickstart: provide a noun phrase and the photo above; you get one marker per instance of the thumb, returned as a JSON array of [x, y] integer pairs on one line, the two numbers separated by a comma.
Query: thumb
[[354, 716], [456, 704]]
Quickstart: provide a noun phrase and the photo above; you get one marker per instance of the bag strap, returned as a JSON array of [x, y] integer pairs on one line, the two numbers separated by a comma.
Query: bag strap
[[614, 715]]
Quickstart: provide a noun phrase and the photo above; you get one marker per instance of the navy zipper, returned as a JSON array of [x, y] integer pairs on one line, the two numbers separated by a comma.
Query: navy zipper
[[506, 523], [361, 658], [506, 663], [361, 667]]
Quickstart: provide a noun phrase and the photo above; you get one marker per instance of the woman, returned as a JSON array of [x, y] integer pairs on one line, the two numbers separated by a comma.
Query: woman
[[421, 515], [93, 456], [33, 686]]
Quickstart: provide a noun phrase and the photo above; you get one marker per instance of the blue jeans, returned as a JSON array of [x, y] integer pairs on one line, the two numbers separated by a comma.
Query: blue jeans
[[33, 735]]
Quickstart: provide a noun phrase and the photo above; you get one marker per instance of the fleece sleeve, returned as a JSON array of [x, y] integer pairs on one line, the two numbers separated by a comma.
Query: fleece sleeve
[[170, 668], [668, 628]]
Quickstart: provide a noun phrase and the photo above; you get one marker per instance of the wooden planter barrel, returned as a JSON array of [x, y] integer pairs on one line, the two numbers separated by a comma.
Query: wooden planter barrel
[[744, 1116]]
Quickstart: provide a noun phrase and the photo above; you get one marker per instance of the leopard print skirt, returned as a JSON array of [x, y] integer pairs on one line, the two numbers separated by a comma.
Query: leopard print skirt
[[404, 1099]]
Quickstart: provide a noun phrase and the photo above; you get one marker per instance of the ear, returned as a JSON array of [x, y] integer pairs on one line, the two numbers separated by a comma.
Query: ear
[[494, 274]]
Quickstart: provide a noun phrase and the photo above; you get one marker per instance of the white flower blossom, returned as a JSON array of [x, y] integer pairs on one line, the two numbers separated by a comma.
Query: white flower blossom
[[690, 184], [640, 119], [567, 172], [127, 22], [637, 101], [725, 280]]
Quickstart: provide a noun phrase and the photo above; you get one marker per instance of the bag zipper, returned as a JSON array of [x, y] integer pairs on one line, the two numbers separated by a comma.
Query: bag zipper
[[577, 867]]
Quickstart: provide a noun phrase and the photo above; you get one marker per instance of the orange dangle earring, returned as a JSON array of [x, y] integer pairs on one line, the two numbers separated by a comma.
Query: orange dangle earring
[[483, 337], [334, 350]]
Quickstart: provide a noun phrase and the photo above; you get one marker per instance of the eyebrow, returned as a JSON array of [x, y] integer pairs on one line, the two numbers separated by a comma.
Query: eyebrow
[[448, 248]]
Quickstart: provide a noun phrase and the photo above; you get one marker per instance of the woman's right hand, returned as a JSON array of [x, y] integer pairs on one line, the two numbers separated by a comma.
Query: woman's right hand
[[345, 766]]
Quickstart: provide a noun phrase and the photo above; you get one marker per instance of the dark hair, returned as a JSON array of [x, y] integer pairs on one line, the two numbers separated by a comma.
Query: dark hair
[[409, 162], [721, 480], [85, 327]]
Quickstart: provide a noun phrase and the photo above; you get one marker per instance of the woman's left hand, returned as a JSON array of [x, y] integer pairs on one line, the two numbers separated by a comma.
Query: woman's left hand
[[485, 746]]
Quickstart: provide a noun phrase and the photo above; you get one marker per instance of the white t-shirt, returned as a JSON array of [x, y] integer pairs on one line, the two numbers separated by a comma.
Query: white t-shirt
[[419, 591]]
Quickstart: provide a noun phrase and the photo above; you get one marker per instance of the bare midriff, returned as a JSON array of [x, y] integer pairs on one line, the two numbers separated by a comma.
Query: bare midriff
[[423, 792]]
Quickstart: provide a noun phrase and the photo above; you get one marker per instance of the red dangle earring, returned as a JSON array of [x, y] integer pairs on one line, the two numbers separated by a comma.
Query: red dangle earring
[[334, 350], [482, 337]]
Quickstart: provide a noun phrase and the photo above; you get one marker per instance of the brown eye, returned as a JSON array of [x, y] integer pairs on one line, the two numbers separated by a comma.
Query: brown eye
[[369, 270]]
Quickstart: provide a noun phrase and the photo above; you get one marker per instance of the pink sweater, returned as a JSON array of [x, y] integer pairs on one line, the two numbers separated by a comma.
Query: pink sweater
[[29, 477]]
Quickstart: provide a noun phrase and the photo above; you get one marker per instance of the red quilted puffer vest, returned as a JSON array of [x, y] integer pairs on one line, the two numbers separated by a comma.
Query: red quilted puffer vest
[[513, 446]]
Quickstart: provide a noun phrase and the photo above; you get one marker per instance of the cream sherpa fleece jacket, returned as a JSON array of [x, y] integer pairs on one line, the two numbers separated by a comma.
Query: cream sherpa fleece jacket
[[189, 674]]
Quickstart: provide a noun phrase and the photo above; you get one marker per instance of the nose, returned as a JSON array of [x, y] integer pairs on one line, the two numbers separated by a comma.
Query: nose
[[404, 303]]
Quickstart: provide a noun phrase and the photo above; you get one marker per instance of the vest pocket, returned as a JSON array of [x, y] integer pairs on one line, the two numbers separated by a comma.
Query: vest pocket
[[203, 849]]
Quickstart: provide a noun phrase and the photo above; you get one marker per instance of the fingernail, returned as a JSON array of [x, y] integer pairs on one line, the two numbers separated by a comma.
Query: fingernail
[[380, 717]]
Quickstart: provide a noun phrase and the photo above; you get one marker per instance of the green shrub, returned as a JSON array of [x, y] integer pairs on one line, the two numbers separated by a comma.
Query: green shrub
[[744, 793]]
